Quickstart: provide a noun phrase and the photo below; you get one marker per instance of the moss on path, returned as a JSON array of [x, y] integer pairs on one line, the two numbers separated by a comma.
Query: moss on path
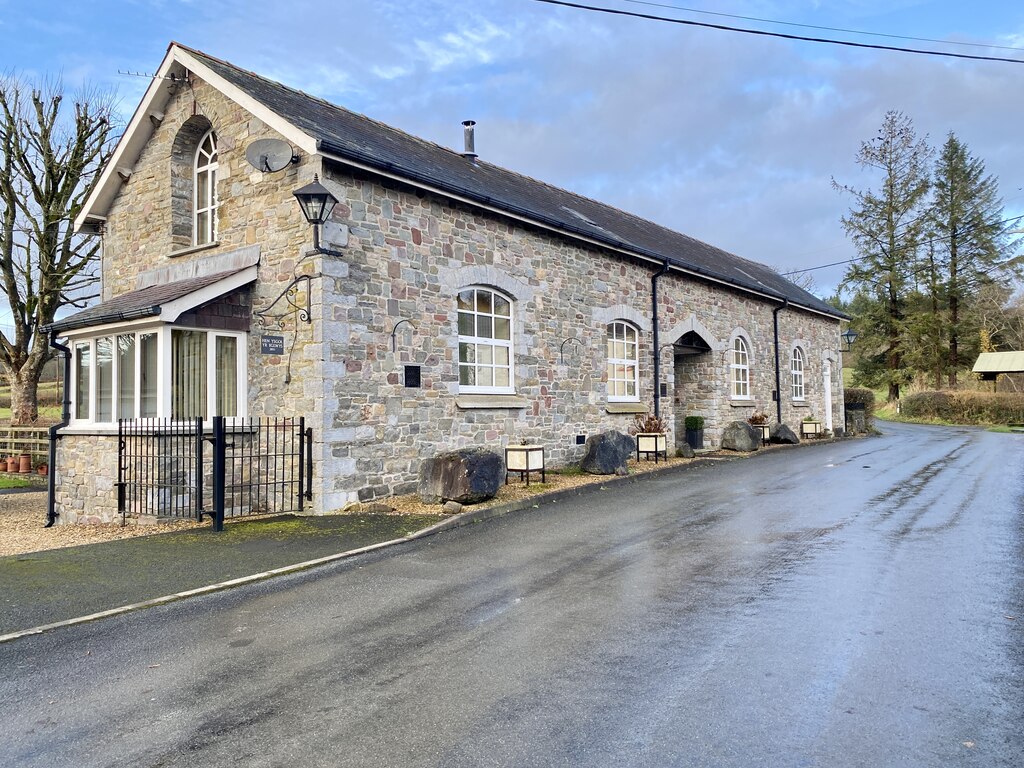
[[44, 587]]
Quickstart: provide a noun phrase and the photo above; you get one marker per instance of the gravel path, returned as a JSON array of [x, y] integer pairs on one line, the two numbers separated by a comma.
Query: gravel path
[[23, 517]]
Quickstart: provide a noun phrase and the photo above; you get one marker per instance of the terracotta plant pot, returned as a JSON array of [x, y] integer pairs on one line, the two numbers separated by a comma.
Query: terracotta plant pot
[[42, 469], [12, 464], [25, 464]]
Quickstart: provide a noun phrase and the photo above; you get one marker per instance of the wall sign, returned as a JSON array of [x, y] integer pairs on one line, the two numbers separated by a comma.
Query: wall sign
[[272, 345]]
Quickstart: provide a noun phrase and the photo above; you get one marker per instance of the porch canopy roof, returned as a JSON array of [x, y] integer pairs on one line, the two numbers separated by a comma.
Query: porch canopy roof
[[1000, 362], [166, 301]]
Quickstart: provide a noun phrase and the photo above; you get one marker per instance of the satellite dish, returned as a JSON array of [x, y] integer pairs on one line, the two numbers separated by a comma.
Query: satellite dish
[[270, 155]]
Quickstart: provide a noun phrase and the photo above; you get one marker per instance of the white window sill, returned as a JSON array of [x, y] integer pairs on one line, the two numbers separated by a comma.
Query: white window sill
[[471, 402], [626, 407]]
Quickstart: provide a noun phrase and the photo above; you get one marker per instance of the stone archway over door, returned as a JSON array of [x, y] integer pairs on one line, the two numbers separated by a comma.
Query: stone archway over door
[[694, 382]]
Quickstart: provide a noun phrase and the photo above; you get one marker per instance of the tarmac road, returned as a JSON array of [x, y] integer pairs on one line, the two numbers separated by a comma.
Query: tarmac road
[[853, 604]]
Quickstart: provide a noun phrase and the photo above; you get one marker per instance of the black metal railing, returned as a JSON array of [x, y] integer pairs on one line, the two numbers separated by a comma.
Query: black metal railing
[[237, 467]]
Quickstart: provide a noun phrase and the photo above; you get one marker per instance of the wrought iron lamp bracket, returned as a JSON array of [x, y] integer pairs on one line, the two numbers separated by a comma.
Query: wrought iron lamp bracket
[[267, 316], [561, 349], [394, 343]]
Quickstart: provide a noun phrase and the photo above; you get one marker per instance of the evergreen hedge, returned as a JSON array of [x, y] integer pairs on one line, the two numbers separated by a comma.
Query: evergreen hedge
[[965, 407]]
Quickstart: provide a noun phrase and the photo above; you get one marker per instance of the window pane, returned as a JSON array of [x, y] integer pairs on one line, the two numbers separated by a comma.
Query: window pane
[[501, 356], [485, 354], [83, 360], [467, 352], [147, 375], [501, 306], [466, 324], [467, 375], [466, 300], [502, 329], [501, 377], [105, 379], [126, 376], [227, 376], [485, 377], [202, 228], [483, 327], [202, 190], [188, 374], [620, 350], [483, 301]]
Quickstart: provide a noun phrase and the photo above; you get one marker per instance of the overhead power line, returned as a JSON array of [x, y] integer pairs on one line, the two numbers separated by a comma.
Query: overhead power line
[[861, 258], [781, 35], [825, 29]]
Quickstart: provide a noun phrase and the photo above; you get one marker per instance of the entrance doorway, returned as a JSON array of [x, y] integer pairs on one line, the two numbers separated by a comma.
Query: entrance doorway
[[693, 393]]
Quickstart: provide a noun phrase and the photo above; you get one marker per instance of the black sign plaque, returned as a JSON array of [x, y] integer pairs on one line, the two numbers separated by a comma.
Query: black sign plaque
[[272, 345]]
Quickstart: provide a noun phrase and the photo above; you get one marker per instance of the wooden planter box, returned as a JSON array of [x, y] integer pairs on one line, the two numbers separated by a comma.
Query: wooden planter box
[[695, 438], [810, 429], [766, 432], [525, 459], [648, 443]]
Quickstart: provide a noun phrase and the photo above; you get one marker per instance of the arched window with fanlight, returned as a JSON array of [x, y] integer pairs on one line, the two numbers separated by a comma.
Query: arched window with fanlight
[[205, 191], [739, 368], [485, 342], [623, 357], [797, 372]]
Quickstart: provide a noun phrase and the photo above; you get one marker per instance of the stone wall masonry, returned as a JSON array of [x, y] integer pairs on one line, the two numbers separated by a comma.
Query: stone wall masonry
[[143, 235], [408, 256]]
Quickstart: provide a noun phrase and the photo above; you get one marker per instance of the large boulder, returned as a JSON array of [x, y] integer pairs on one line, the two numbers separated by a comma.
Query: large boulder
[[606, 453], [783, 434], [740, 436], [684, 451], [468, 476]]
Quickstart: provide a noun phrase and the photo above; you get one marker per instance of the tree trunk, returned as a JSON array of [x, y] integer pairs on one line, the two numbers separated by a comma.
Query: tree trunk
[[24, 399], [954, 336]]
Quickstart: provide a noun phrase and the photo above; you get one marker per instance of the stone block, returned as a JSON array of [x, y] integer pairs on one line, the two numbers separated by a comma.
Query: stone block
[[780, 433], [740, 436], [468, 476], [607, 452]]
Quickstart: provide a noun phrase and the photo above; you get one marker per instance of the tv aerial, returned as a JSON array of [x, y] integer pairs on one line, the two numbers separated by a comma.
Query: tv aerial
[[270, 155]]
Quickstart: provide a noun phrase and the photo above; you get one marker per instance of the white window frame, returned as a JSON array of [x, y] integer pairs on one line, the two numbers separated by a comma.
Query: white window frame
[[739, 368], [797, 368], [625, 361], [509, 343], [164, 372], [207, 164]]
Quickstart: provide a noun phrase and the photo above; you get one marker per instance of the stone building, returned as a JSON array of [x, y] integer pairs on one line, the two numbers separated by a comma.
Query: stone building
[[457, 304]]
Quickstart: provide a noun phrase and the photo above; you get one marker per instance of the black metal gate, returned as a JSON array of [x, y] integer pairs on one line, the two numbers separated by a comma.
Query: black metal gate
[[237, 467]]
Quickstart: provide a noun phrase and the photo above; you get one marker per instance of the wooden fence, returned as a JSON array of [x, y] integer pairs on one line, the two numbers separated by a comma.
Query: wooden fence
[[15, 441]]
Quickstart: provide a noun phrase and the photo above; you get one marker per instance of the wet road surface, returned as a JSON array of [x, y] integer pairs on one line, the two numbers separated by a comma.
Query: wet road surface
[[853, 604]]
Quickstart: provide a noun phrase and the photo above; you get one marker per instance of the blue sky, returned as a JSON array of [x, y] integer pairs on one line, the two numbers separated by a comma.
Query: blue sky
[[729, 138]]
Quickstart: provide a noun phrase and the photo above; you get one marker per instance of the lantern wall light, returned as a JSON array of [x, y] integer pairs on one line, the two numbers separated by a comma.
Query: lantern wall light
[[317, 202]]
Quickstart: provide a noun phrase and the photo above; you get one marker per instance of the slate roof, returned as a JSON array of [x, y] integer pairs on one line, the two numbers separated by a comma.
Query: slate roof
[[145, 302], [360, 139]]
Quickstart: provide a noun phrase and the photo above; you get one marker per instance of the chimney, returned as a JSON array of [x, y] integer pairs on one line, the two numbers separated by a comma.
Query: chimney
[[470, 151]]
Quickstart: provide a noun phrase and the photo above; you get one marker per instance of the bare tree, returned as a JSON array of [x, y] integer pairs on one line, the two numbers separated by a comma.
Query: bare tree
[[49, 164]]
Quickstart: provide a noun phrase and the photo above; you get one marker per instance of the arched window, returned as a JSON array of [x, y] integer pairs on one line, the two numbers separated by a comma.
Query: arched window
[[485, 342], [797, 371], [740, 369], [205, 187], [623, 376]]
